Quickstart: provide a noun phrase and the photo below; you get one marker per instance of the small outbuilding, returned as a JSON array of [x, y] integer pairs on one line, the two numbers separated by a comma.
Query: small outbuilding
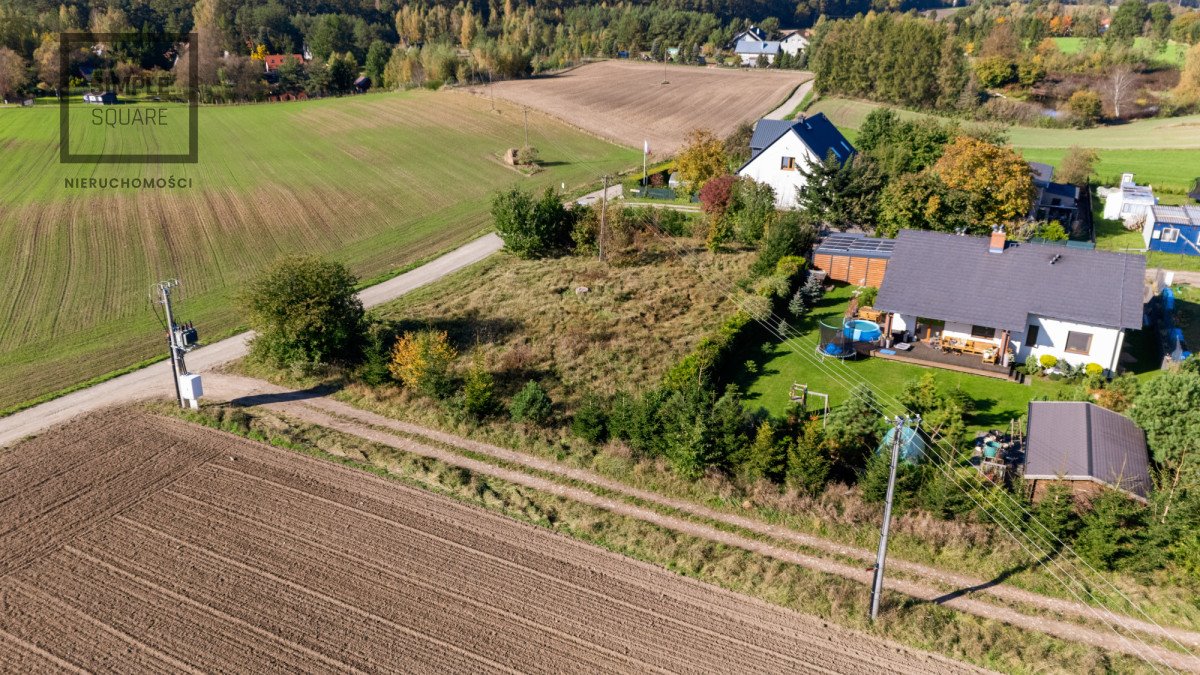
[[362, 84], [1128, 202], [1172, 229], [1086, 447], [854, 258]]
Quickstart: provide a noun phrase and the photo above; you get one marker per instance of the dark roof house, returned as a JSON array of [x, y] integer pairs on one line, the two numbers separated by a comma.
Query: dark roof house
[[816, 131], [967, 280], [1082, 442]]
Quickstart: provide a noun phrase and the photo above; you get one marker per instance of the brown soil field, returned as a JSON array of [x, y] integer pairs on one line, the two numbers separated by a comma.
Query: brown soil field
[[133, 543], [628, 102]]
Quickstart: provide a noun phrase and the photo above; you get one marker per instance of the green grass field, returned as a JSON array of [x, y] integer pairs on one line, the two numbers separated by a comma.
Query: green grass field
[[778, 365], [1162, 152], [378, 181], [1170, 53]]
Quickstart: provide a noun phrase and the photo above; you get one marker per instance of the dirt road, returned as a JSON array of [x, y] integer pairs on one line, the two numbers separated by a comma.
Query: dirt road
[[155, 380], [790, 104], [931, 587], [192, 550]]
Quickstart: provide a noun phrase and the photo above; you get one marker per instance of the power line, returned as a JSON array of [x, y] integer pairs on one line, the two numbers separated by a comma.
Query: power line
[[1008, 526]]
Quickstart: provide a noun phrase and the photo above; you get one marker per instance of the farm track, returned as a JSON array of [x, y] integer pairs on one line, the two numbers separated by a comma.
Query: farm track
[[930, 586], [210, 552]]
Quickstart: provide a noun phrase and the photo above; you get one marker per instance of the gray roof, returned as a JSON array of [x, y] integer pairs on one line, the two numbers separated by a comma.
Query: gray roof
[[1082, 441], [857, 245], [1042, 173], [1176, 215], [767, 47], [816, 132], [955, 278], [767, 132]]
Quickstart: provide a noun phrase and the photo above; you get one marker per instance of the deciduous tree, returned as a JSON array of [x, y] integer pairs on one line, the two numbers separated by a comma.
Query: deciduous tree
[[702, 158], [304, 310], [997, 179], [421, 361], [1077, 165], [13, 73]]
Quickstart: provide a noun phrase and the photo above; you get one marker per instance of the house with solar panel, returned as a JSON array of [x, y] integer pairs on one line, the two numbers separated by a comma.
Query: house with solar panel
[[1172, 229], [1087, 448], [995, 302], [779, 149]]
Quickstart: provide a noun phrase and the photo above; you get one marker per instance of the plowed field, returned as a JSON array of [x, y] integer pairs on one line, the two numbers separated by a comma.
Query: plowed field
[[130, 543], [629, 102]]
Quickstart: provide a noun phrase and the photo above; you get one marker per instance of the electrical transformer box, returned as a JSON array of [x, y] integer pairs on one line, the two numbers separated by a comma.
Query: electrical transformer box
[[190, 387]]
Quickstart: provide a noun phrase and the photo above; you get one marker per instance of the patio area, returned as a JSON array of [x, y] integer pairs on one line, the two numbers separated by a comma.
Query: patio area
[[923, 354]]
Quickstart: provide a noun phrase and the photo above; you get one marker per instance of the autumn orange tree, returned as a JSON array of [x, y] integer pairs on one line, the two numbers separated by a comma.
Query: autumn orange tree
[[702, 157], [421, 360], [998, 181]]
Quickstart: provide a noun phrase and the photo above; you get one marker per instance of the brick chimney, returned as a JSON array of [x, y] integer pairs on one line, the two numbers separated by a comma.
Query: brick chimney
[[997, 242]]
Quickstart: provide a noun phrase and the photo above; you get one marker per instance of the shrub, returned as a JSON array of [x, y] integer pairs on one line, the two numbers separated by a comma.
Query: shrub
[[531, 405], [532, 229], [591, 421], [421, 361], [1048, 360], [995, 71], [305, 310], [708, 355], [479, 389], [787, 236], [866, 298], [527, 155], [1032, 367], [1085, 106]]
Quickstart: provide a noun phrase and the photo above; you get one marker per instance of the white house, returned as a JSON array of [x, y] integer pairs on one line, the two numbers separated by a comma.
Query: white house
[[780, 148], [751, 34], [980, 294], [751, 51], [1128, 202], [793, 42]]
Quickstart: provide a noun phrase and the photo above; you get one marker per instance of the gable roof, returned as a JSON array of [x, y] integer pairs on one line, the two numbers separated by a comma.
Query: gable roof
[[955, 278], [1082, 441], [816, 132], [767, 132], [757, 47], [753, 33]]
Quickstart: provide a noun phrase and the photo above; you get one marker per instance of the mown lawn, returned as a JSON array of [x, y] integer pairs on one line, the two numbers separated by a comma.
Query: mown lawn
[[379, 182], [1163, 152], [775, 366], [1170, 53]]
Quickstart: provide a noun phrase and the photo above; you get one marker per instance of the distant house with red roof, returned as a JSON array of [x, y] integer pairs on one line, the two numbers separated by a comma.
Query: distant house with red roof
[[273, 61]]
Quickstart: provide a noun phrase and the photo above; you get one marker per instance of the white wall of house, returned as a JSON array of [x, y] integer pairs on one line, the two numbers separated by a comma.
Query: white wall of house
[[1052, 334], [767, 168], [793, 44], [1104, 348], [962, 331], [752, 59]]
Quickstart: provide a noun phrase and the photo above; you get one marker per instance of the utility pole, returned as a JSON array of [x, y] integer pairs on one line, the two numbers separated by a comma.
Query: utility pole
[[603, 213], [898, 426], [526, 110], [177, 365]]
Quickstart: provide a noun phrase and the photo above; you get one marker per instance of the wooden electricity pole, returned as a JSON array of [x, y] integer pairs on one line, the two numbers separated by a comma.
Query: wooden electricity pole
[[603, 214]]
